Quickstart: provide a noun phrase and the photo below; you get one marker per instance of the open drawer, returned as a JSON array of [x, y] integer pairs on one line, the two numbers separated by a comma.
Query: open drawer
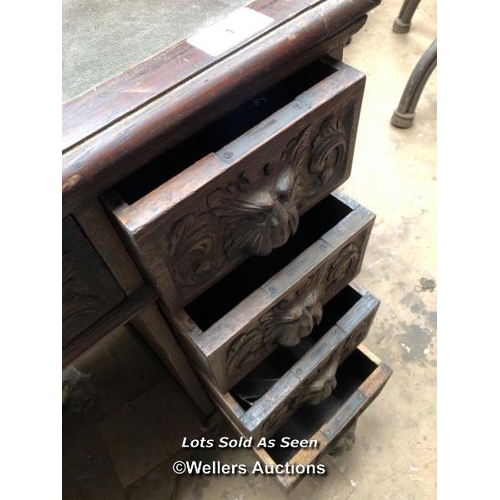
[[329, 426], [276, 300], [304, 374], [238, 187]]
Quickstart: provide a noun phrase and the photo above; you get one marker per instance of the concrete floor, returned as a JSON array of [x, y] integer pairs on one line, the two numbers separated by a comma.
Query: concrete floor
[[125, 416]]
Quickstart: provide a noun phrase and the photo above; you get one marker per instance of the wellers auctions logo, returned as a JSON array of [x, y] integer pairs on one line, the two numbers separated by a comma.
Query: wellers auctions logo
[[217, 468]]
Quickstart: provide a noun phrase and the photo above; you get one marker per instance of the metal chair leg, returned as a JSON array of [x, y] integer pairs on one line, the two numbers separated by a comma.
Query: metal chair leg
[[405, 112], [403, 22]]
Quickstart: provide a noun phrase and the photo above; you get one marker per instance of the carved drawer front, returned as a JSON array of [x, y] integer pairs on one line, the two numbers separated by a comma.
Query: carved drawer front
[[328, 426], [305, 374], [276, 300], [89, 289], [238, 188]]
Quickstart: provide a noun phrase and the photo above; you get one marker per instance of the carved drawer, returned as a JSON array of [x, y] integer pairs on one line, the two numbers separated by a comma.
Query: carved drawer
[[330, 425], [237, 188], [305, 374], [275, 300]]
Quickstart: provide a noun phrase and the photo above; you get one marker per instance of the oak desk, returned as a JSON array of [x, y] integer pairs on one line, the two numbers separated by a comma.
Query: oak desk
[[196, 183]]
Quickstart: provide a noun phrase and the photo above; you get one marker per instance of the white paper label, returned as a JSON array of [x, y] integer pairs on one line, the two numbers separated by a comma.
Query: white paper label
[[236, 27]]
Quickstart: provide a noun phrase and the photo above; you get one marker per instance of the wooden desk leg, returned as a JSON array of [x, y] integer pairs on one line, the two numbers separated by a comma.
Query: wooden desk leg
[[151, 324]]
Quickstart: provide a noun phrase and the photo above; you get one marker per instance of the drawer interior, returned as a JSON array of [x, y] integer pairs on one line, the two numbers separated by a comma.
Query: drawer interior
[[221, 132], [262, 378], [218, 300], [305, 422]]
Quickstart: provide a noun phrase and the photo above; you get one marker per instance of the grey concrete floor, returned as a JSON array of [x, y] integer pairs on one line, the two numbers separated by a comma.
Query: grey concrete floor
[[394, 457]]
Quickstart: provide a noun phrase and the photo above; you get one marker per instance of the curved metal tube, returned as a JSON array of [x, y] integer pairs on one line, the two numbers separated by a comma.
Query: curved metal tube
[[405, 113]]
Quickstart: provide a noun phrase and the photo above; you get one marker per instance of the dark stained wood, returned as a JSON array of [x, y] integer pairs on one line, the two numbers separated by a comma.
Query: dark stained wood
[[96, 159], [282, 310], [147, 80], [106, 323], [246, 198], [316, 372], [149, 321], [89, 289], [311, 368], [334, 418], [215, 236], [100, 231], [152, 326], [337, 52]]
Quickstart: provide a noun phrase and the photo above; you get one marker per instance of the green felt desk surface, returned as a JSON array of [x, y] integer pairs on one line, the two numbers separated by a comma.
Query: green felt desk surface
[[102, 38]]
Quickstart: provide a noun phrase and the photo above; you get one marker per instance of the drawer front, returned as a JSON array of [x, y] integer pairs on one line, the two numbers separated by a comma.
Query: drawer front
[[89, 289], [329, 425], [284, 309], [258, 411], [246, 198]]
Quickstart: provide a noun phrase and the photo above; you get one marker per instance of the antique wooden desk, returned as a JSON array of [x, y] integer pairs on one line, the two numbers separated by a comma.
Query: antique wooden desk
[[197, 207]]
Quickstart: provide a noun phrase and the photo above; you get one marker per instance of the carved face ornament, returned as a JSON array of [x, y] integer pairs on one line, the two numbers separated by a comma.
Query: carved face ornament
[[294, 319], [259, 211], [286, 324], [256, 221]]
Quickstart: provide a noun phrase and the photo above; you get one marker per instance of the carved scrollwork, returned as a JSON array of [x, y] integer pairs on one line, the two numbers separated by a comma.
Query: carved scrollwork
[[195, 249], [341, 269], [345, 264], [246, 351], [328, 154], [355, 338]]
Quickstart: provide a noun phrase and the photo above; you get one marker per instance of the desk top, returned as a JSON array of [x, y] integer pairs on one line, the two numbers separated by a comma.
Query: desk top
[[102, 38], [124, 122]]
